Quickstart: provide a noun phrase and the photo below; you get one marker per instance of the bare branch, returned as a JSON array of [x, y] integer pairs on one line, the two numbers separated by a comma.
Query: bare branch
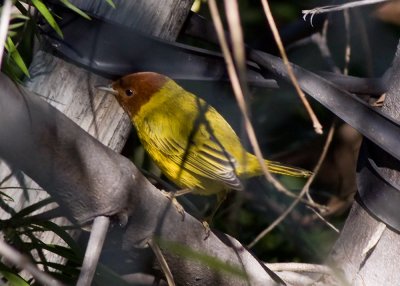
[[324, 220], [316, 124], [239, 94], [163, 263], [335, 8], [23, 262], [93, 250], [303, 191]]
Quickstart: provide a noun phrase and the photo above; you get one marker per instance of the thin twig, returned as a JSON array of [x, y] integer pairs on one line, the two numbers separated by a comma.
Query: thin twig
[[316, 124], [300, 267], [320, 41], [303, 191], [334, 8], [93, 250], [334, 228], [347, 53], [23, 262], [240, 96], [236, 33], [4, 22], [20, 188], [237, 44], [163, 263], [243, 107]]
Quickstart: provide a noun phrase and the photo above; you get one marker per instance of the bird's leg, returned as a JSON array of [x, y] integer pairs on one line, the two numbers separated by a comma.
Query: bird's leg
[[172, 197], [182, 192], [221, 197]]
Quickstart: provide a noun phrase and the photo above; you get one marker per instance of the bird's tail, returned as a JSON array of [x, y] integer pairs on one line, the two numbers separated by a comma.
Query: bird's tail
[[253, 168], [278, 168]]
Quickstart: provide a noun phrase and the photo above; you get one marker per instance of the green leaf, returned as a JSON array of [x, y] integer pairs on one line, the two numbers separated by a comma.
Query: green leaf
[[30, 209], [111, 3], [11, 33], [39, 250], [210, 261], [15, 55], [75, 9], [56, 249], [12, 277], [47, 15], [16, 26], [65, 269], [19, 16], [51, 226]]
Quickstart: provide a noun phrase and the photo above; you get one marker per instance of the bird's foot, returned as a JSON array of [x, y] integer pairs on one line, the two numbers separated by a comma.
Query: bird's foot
[[207, 229], [171, 196]]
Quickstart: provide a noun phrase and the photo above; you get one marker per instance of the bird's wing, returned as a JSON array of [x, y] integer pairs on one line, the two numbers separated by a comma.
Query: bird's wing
[[202, 154]]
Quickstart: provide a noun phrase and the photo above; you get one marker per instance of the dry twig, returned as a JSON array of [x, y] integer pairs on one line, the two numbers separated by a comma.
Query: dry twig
[[316, 124], [163, 263], [238, 91], [335, 8], [303, 191], [324, 220]]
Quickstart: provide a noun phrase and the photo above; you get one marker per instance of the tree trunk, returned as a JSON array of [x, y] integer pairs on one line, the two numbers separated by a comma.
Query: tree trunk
[[367, 251]]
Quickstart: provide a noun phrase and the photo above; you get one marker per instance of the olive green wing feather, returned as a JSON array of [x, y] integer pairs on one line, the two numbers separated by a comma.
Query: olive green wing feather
[[202, 154]]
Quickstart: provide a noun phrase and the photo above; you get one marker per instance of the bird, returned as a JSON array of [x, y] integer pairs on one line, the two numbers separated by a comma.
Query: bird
[[187, 138]]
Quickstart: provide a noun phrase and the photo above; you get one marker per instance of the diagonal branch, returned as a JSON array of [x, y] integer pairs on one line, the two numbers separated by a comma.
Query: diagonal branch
[[21, 261], [90, 180]]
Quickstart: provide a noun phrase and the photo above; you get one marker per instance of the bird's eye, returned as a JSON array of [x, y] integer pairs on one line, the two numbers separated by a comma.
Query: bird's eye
[[129, 92]]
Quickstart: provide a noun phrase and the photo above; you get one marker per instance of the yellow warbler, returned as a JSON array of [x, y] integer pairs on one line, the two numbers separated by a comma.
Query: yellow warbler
[[192, 144]]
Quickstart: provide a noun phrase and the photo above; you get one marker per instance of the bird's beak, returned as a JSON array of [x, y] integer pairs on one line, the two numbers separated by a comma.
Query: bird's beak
[[107, 88]]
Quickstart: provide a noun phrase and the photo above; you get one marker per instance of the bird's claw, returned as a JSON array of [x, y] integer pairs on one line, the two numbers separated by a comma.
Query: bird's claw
[[207, 229], [174, 201]]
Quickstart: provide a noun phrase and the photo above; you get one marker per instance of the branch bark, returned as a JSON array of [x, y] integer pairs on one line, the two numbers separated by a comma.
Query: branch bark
[[71, 90], [90, 180], [365, 253]]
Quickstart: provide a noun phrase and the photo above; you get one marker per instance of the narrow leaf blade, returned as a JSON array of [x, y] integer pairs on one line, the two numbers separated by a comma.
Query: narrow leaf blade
[[71, 6], [111, 3], [47, 15], [15, 55]]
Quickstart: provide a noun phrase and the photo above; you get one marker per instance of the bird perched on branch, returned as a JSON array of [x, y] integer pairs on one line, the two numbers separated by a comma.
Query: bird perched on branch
[[192, 144]]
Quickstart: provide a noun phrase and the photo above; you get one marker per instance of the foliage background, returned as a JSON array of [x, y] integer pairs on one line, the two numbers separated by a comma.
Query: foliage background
[[282, 125]]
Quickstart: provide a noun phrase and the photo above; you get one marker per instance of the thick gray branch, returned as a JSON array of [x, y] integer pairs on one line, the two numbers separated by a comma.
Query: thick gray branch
[[90, 180]]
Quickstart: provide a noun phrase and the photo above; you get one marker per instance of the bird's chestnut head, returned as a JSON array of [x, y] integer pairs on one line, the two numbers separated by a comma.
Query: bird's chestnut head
[[135, 90]]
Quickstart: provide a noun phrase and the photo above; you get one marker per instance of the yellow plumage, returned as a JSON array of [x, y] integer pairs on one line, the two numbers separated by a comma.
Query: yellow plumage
[[193, 145]]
